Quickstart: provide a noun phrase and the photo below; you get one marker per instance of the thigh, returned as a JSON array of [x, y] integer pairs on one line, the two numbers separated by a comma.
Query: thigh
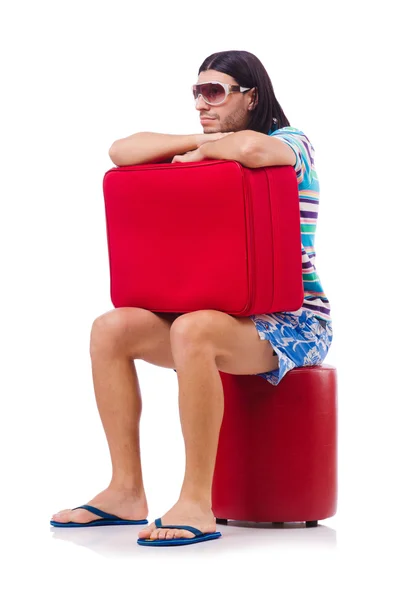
[[242, 351], [237, 347], [136, 332]]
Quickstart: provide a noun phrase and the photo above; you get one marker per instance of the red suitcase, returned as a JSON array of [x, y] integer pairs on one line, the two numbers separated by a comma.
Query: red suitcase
[[204, 235]]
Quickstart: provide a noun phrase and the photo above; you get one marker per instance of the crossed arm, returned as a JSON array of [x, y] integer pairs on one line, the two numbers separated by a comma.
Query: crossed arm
[[250, 148]]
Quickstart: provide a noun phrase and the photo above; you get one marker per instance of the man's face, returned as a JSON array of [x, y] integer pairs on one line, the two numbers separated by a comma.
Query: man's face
[[232, 114]]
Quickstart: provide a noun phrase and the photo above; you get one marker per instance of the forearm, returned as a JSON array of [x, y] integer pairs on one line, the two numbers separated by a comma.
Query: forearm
[[148, 147], [233, 147]]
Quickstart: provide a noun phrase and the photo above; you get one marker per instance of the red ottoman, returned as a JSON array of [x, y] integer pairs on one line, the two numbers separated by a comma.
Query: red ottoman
[[277, 451]]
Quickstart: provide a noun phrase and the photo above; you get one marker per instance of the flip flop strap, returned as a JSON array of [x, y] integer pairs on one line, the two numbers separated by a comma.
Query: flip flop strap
[[197, 532], [98, 512]]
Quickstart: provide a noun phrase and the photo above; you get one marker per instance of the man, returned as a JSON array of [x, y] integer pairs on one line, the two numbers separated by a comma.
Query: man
[[197, 345]]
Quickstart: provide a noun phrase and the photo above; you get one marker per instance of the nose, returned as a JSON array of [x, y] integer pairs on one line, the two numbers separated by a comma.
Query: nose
[[201, 103]]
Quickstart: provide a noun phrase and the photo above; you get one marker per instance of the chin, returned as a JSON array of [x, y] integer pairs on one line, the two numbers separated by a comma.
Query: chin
[[211, 128]]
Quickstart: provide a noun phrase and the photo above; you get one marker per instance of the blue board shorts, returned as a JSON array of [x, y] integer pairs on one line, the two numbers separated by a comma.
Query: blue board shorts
[[299, 339]]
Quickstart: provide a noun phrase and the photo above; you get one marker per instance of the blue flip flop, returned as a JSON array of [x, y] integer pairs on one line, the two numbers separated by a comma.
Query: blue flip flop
[[200, 536], [107, 519]]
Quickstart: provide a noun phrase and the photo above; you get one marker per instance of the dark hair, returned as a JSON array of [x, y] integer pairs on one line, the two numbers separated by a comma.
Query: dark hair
[[248, 71]]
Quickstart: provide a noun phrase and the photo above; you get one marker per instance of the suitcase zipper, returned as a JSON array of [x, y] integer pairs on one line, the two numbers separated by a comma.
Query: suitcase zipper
[[251, 270]]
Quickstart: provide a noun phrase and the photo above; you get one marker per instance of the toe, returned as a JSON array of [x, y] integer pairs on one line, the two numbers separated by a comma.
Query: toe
[[170, 534], [154, 534], [80, 515], [60, 512], [147, 531], [184, 533], [61, 515]]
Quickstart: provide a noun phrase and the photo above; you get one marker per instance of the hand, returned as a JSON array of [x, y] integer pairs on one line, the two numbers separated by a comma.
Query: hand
[[204, 138], [192, 156]]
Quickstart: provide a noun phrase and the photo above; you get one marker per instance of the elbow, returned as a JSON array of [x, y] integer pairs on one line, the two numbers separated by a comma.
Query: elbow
[[125, 151], [114, 155]]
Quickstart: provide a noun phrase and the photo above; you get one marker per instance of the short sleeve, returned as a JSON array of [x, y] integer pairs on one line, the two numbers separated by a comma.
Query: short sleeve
[[304, 152]]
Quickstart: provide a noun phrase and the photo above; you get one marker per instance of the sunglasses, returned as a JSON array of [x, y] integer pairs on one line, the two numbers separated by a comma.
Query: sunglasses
[[215, 92]]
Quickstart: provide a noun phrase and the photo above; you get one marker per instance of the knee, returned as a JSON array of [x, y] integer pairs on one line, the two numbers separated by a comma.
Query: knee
[[192, 328], [107, 331]]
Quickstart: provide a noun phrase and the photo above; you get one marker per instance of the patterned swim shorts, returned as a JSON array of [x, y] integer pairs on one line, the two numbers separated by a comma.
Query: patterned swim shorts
[[299, 340]]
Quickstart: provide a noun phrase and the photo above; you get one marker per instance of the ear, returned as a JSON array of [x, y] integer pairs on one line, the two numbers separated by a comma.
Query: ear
[[253, 98]]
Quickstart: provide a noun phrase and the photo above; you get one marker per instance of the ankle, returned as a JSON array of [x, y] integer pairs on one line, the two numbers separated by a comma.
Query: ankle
[[203, 503], [128, 487]]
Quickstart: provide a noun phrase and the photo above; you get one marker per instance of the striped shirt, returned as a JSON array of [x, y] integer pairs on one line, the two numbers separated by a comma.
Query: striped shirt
[[309, 190]]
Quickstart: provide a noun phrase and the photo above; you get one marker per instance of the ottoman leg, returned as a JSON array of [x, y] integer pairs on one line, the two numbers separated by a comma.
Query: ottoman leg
[[221, 521], [311, 523]]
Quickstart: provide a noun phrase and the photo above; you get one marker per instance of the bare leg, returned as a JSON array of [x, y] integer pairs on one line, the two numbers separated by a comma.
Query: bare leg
[[202, 344], [116, 337], [116, 378], [201, 407]]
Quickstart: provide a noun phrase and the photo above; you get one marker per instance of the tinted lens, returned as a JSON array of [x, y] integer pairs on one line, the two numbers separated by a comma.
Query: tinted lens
[[211, 92]]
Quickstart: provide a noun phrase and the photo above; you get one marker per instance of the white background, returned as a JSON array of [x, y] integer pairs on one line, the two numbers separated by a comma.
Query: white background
[[78, 75]]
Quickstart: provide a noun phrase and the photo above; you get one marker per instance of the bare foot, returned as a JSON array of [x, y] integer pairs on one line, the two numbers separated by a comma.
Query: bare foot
[[182, 513], [122, 503]]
